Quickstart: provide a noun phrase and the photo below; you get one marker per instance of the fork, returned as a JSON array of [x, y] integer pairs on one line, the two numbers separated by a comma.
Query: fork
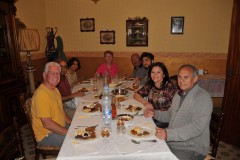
[[140, 141], [136, 113], [89, 126]]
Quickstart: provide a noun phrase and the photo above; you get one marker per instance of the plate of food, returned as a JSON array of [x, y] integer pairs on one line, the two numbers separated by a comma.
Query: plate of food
[[129, 79], [130, 89], [83, 89], [91, 107], [111, 85], [132, 108], [127, 118], [85, 134], [139, 131], [85, 82], [119, 98]]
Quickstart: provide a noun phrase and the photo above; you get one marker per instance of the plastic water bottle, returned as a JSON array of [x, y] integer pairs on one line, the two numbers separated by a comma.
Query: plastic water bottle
[[106, 106]]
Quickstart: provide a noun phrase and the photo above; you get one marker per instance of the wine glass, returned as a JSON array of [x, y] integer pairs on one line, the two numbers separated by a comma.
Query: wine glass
[[95, 88]]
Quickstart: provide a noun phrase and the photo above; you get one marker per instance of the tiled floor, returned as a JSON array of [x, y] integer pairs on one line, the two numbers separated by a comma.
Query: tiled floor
[[225, 151]]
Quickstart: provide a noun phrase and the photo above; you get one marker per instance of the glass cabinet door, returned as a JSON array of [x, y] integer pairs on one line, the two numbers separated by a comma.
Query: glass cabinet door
[[5, 60], [137, 32]]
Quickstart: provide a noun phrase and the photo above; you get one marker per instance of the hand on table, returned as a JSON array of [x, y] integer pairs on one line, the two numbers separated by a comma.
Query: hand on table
[[79, 94], [149, 113], [161, 133]]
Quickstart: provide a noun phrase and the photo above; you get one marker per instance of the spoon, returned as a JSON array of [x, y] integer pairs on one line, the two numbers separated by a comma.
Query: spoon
[[140, 141]]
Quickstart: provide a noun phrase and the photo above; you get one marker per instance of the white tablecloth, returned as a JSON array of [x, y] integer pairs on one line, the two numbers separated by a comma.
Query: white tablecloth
[[120, 147]]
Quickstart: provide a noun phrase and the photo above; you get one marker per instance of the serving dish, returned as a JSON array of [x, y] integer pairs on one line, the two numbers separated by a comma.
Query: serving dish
[[119, 91]]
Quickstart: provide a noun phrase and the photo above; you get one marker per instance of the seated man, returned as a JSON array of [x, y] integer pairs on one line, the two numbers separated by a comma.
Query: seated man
[[48, 117], [189, 118], [138, 70], [147, 60], [65, 90]]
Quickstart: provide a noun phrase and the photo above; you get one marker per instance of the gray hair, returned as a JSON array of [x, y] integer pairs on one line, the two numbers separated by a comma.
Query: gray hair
[[194, 69], [51, 64]]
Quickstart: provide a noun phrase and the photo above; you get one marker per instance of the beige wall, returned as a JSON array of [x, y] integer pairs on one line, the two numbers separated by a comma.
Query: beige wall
[[33, 15], [206, 27], [204, 42]]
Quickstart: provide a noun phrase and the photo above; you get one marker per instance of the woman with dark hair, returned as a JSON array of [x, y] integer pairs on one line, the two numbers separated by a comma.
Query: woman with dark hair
[[73, 65], [158, 90]]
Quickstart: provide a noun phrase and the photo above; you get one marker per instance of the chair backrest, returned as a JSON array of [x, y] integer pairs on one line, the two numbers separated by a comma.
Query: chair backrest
[[215, 131], [27, 110], [174, 81], [44, 150]]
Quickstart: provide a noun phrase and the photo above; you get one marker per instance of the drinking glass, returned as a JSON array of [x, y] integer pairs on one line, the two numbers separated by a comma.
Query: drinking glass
[[105, 133], [121, 130], [95, 88]]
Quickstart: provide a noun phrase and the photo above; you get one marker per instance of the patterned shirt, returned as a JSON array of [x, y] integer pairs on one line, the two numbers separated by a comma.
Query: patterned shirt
[[72, 78], [160, 98]]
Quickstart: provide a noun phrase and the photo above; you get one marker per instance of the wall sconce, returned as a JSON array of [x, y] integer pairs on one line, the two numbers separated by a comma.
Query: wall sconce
[[29, 40], [95, 1]]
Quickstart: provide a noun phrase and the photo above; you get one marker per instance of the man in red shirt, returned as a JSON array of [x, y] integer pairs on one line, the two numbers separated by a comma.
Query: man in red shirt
[[65, 91]]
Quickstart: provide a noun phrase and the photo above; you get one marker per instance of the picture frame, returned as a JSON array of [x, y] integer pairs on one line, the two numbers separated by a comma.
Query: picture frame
[[107, 37], [177, 25], [137, 32], [87, 24]]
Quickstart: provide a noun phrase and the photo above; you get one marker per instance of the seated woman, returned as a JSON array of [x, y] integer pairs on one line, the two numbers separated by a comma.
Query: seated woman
[[158, 90], [108, 66], [73, 65]]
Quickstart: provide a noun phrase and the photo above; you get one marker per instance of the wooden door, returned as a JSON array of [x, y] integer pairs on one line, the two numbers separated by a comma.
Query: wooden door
[[231, 100]]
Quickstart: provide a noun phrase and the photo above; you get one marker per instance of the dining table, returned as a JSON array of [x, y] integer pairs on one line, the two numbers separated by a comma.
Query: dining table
[[118, 147]]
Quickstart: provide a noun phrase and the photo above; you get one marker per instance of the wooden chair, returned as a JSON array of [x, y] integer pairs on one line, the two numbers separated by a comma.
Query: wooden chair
[[173, 80], [215, 130], [43, 150], [11, 142]]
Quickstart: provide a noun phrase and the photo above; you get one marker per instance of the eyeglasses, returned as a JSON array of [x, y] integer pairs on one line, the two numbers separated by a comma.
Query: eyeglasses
[[53, 73]]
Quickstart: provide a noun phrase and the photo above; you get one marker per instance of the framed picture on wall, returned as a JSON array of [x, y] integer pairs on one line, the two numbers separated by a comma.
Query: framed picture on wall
[[107, 37], [177, 24], [137, 32], [87, 24]]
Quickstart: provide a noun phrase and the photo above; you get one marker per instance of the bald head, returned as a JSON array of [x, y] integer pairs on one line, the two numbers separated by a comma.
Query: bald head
[[135, 59]]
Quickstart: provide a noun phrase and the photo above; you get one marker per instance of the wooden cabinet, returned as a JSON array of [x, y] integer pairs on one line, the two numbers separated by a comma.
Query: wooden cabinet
[[231, 100], [12, 81]]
